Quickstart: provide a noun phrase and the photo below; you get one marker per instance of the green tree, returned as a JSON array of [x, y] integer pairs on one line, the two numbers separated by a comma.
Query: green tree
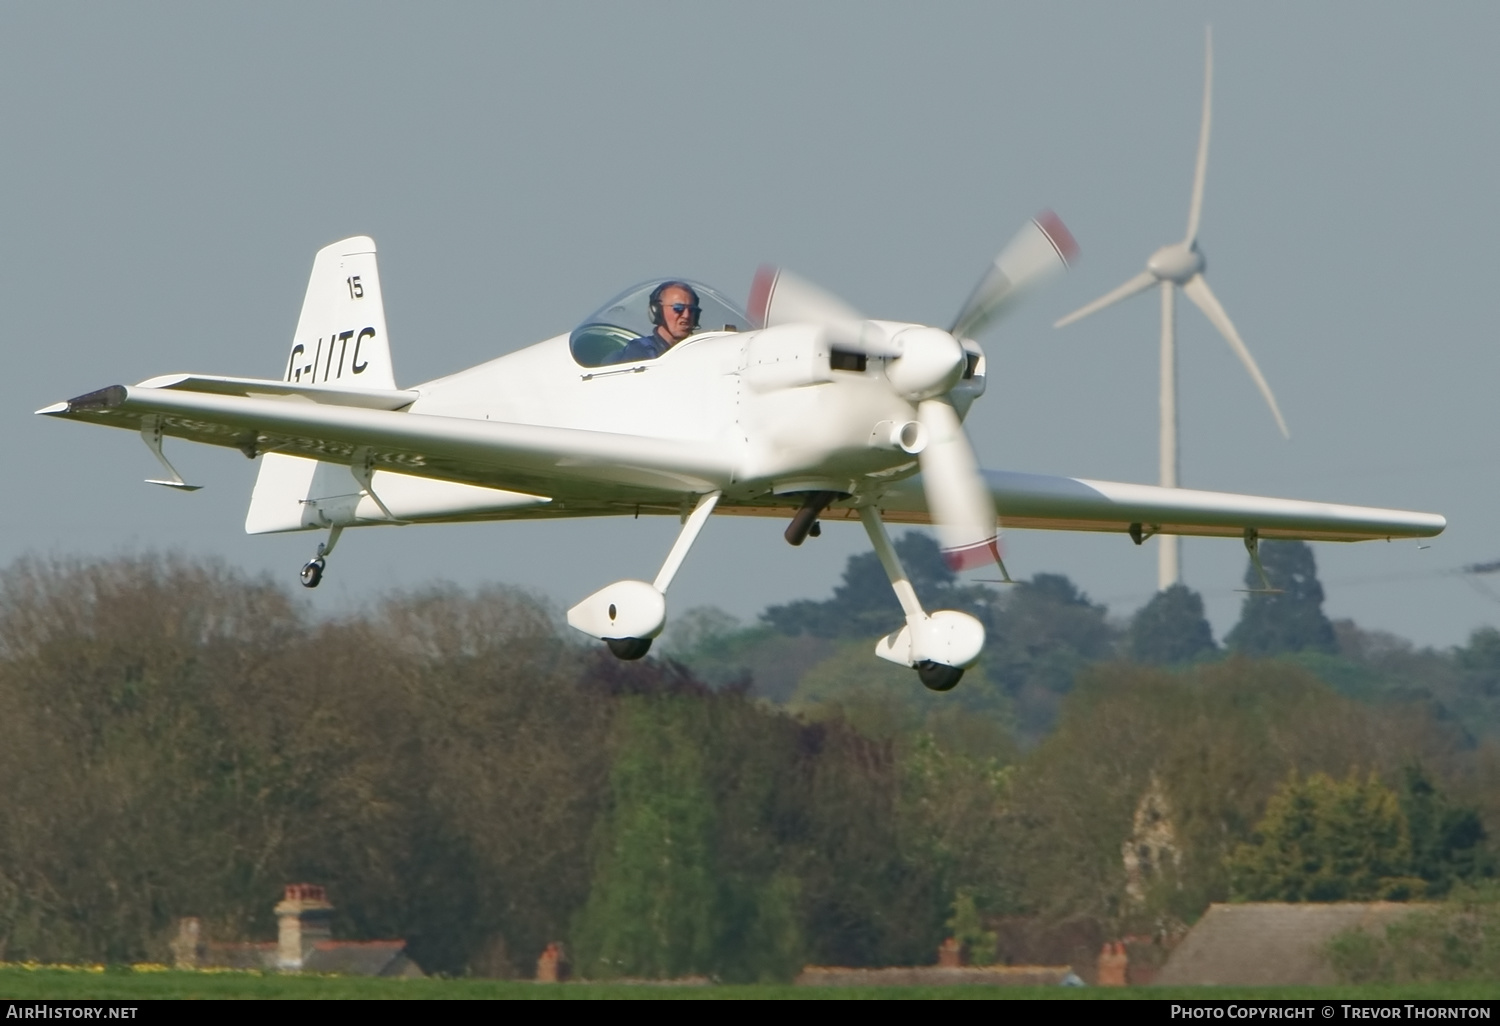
[[1327, 840], [653, 908], [1458, 940], [863, 604], [965, 926], [1480, 660], [1221, 738], [1042, 633], [1447, 840], [1171, 629], [700, 628], [1290, 620]]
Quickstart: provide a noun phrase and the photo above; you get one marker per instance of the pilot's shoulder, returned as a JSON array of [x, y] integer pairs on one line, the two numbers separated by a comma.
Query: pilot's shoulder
[[643, 348]]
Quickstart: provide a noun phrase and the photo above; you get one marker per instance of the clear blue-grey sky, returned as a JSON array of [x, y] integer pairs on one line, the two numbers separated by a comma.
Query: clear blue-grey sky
[[169, 170]]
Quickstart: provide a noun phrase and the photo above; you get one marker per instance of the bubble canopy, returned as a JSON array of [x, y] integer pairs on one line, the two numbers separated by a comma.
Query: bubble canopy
[[602, 337]]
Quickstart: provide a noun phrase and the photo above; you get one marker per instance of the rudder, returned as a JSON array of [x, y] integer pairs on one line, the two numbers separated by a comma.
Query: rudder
[[340, 340], [341, 336]]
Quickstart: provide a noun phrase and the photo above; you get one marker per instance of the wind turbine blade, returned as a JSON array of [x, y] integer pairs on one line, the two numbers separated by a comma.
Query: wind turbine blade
[[1203, 298], [1201, 173], [1139, 283]]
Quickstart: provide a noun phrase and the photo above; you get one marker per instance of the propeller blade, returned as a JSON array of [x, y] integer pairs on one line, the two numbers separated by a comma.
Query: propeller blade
[[960, 504], [1196, 209], [1139, 283], [777, 296], [1203, 298], [1039, 250]]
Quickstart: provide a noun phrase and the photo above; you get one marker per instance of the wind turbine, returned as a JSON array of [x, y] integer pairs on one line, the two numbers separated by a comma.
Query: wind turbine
[[1181, 265]]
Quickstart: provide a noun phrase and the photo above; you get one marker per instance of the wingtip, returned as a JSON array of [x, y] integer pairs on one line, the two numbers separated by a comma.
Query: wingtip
[[51, 411]]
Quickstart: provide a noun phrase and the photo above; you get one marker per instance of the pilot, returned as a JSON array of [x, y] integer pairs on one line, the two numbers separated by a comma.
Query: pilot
[[674, 312]]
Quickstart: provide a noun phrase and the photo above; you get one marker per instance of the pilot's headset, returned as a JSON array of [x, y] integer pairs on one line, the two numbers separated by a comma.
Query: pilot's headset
[[656, 312]]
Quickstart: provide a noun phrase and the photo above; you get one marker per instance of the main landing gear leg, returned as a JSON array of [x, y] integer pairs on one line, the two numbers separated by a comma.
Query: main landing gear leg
[[312, 570], [939, 647], [627, 615]]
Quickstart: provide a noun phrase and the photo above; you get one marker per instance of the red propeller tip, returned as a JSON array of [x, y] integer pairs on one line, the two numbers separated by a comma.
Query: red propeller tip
[[1057, 233], [760, 294], [971, 557]]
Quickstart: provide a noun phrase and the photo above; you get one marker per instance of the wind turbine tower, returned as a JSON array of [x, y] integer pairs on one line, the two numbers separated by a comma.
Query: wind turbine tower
[[1181, 265]]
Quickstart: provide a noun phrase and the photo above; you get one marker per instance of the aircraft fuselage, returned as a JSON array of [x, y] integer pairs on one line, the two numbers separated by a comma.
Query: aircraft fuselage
[[786, 411]]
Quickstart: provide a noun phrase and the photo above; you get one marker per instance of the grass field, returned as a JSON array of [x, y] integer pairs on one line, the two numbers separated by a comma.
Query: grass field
[[126, 984]]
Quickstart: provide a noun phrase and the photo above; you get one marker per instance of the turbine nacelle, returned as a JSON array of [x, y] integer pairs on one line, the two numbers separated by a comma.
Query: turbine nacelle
[[1177, 263]]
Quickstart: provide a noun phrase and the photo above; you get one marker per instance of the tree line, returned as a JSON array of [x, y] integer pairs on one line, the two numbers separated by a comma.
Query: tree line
[[179, 739], [1042, 633]]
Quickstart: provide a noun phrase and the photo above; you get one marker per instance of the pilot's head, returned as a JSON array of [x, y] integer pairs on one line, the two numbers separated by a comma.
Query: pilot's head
[[674, 310]]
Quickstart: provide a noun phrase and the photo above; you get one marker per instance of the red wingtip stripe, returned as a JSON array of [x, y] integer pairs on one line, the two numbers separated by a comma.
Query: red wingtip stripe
[[971, 557], [760, 294], [1057, 233]]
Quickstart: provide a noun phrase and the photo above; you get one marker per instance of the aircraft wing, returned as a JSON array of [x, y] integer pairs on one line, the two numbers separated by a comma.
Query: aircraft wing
[[337, 395], [321, 423], [1043, 502], [255, 417]]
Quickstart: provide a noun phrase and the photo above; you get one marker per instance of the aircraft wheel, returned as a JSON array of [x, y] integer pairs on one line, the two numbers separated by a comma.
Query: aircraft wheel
[[937, 676], [312, 573], [628, 648]]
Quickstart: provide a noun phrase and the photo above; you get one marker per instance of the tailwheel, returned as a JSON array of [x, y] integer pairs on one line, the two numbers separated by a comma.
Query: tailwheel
[[937, 676], [628, 648], [312, 573]]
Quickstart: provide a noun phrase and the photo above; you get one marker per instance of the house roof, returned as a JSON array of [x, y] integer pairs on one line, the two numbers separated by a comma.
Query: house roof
[[345, 958], [360, 958], [1270, 943]]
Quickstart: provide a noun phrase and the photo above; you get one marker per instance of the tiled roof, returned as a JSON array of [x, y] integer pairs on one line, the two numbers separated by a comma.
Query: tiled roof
[[346, 958], [1270, 943], [360, 958]]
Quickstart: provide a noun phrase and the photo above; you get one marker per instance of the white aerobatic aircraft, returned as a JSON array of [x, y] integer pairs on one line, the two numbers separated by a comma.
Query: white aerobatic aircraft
[[799, 407]]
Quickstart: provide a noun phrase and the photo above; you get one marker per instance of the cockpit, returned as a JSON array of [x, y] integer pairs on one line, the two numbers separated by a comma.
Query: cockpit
[[605, 334]]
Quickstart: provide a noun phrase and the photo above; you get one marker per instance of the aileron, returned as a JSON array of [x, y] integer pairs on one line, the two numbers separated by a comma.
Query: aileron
[[1045, 502]]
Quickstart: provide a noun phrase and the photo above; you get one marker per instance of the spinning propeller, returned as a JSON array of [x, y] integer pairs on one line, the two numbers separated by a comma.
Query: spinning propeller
[[923, 364]]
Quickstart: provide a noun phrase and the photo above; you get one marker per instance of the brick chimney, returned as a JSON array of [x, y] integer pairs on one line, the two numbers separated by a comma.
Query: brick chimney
[[188, 946], [549, 967], [302, 918], [950, 954], [1114, 963]]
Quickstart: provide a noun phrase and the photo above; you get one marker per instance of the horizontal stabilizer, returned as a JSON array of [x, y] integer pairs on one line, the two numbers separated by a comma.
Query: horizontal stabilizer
[[297, 494]]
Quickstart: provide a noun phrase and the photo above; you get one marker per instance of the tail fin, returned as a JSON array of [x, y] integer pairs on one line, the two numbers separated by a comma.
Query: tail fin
[[341, 335], [340, 339]]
